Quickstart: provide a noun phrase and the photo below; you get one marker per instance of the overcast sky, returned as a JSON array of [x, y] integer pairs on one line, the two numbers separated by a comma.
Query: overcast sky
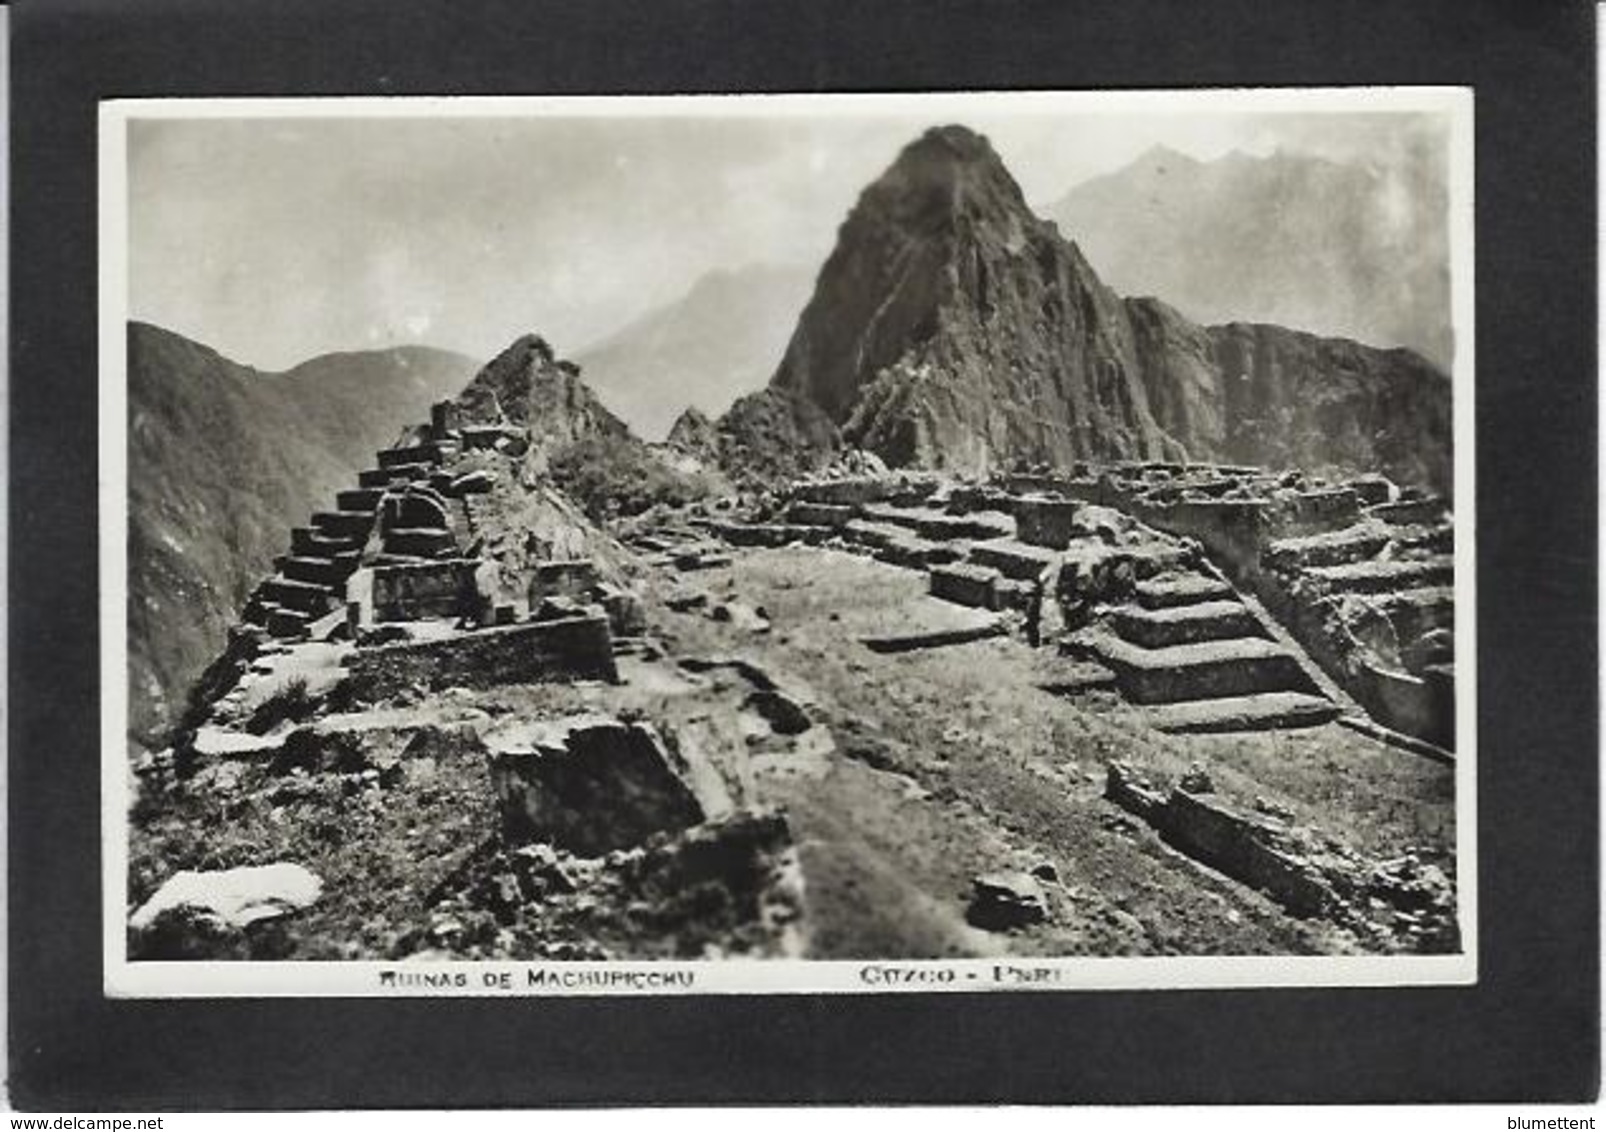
[[274, 240]]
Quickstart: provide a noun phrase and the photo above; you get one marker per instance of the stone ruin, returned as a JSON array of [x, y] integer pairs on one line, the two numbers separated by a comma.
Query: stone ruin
[[394, 597], [1209, 598], [1403, 904], [1217, 597]]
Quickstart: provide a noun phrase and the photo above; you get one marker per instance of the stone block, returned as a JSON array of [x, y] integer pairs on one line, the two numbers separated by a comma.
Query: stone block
[[588, 785], [412, 454], [197, 915], [964, 583], [1410, 512], [626, 616], [852, 492], [576, 578], [1372, 490], [806, 513], [419, 542], [575, 648], [1048, 522], [415, 591], [1005, 901], [1202, 671]]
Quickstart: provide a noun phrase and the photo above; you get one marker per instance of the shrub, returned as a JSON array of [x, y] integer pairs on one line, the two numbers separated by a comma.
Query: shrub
[[291, 702]]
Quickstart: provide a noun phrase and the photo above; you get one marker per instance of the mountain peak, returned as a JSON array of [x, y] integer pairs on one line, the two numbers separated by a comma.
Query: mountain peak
[[959, 142], [947, 172], [527, 384], [1161, 154]]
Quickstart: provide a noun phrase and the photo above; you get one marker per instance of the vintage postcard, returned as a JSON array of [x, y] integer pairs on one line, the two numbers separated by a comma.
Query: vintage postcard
[[779, 544]]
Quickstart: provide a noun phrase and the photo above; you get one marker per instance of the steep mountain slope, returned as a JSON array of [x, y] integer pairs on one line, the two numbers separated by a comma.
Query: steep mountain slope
[[1337, 248], [721, 339], [951, 327], [572, 438], [222, 461]]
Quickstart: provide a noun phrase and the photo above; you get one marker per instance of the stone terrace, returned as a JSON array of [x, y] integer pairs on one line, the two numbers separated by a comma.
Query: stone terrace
[[1130, 570]]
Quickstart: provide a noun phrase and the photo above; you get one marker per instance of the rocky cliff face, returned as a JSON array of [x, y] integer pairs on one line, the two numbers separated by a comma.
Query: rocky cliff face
[[222, 461], [951, 327]]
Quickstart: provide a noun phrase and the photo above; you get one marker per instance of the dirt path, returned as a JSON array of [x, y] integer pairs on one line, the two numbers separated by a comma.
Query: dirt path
[[951, 762]]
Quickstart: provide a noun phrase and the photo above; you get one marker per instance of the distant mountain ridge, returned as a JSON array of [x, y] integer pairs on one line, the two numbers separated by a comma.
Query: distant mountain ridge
[[222, 460], [1340, 248], [952, 328], [721, 339]]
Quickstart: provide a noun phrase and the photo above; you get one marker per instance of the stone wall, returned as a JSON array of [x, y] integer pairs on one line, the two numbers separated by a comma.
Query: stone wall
[[417, 590], [1408, 703], [1231, 530], [572, 648], [1249, 849]]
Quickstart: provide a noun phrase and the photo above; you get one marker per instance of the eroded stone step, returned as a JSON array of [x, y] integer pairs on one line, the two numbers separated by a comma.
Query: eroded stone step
[[426, 454], [936, 638], [1409, 512], [359, 499], [419, 542], [1203, 671], [1433, 540], [1336, 549], [331, 571], [809, 514], [288, 624], [898, 545], [344, 524], [1263, 711], [768, 534], [1168, 592], [1417, 611], [965, 583], [256, 609], [1065, 676], [1386, 577], [384, 477], [939, 526], [313, 543], [1185, 624], [1013, 558], [305, 597]]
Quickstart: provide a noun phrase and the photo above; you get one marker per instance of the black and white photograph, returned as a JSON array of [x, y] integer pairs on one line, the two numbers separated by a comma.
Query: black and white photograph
[[792, 543]]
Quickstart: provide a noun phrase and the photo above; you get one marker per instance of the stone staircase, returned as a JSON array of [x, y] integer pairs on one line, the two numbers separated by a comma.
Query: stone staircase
[[1395, 565], [1197, 659], [1179, 641], [310, 581]]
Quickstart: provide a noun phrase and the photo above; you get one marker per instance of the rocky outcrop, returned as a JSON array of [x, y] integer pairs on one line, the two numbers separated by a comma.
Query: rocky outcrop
[[775, 435], [528, 386], [694, 433], [952, 328]]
